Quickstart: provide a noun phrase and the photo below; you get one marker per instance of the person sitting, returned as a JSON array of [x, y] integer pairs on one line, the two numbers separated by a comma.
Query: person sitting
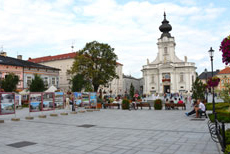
[[193, 111], [180, 101], [167, 107], [199, 108]]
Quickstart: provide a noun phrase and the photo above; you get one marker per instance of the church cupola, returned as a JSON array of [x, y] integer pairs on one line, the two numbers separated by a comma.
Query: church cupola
[[165, 27]]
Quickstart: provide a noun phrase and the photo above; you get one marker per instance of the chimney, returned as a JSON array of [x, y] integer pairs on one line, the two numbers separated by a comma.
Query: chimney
[[19, 57], [3, 53]]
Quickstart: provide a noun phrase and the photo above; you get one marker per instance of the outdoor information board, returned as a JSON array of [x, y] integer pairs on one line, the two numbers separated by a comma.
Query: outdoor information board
[[59, 100], [7, 103], [35, 100], [93, 99], [85, 99], [77, 98], [47, 101]]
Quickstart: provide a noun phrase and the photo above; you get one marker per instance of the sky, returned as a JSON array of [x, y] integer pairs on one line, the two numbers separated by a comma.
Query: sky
[[37, 28]]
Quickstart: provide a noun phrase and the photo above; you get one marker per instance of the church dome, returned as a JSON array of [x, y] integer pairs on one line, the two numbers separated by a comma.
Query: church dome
[[165, 27]]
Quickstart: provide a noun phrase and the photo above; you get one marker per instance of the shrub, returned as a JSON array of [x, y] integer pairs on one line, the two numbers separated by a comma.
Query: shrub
[[220, 117], [158, 104], [227, 136], [125, 104], [217, 106], [227, 149]]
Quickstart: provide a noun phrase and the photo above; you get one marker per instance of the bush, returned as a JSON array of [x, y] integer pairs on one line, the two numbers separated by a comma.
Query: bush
[[220, 117], [158, 104], [227, 136], [227, 149], [125, 104], [25, 105], [217, 106]]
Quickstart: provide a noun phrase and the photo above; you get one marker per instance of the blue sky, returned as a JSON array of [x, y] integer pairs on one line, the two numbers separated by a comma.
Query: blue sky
[[36, 28]]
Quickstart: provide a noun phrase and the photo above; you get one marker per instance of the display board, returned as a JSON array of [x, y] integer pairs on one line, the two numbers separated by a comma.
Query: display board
[[35, 101], [93, 99], [85, 99], [59, 100], [47, 101], [7, 103], [77, 98]]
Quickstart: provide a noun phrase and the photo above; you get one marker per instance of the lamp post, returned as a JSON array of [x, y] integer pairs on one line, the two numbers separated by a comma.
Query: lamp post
[[206, 78], [211, 53]]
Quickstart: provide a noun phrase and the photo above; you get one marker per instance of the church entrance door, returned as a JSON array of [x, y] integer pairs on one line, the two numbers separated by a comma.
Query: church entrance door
[[166, 89]]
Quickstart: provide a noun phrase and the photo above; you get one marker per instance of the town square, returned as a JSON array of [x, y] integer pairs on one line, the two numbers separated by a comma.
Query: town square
[[116, 77]]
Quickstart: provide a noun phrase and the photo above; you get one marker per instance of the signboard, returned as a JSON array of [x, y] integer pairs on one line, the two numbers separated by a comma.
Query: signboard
[[7, 103], [59, 100], [35, 100], [85, 99], [77, 98], [93, 99], [18, 100], [47, 101]]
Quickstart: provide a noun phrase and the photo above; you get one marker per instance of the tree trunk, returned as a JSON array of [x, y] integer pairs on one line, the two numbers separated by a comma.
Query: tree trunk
[[95, 87]]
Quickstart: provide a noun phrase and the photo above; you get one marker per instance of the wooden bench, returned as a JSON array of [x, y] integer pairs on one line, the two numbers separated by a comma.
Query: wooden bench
[[112, 104], [143, 105], [169, 106]]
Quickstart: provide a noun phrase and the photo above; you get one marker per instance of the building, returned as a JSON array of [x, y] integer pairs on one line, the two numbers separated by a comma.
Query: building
[[224, 76], [167, 73], [137, 84], [65, 61], [25, 70], [205, 75]]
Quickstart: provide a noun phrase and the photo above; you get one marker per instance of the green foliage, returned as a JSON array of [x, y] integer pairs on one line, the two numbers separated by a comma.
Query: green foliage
[[88, 87], [97, 63], [37, 84], [125, 104], [227, 136], [158, 104], [78, 82], [131, 91], [9, 84], [220, 117], [224, 93], [218, 106], [198, 89], [227, 149]]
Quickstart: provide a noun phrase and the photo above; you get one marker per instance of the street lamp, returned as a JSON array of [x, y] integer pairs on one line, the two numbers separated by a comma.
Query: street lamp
[[211, 53], [206, 77]]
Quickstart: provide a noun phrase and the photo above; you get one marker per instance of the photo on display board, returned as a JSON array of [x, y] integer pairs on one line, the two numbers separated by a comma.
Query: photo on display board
[[59, 100], [93, 99], [7, 103], [48, 102], [35, 102], [77, 99], [85, 98]]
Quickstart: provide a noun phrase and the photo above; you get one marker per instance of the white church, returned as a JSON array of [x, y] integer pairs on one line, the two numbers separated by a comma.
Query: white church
[[167, 73]]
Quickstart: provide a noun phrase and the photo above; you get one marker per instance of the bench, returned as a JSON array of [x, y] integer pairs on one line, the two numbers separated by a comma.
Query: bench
[[143, 105], [112, 104], [169, 106]]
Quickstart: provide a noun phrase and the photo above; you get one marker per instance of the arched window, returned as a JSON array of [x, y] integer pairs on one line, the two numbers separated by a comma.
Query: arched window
[[165, 50]]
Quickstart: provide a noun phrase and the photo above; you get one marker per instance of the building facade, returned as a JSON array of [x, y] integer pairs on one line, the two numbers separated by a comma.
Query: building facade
[[65, 61], [26, 70], [137, 84], [167, 73], [224, 76]]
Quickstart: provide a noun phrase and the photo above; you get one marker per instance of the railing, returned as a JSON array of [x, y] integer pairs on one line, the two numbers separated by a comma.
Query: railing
[[217, 131]]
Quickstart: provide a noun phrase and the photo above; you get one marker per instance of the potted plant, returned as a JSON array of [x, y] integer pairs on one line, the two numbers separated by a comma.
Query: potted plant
[[225, 49], [125, 104], [158, 104], [213, 82]]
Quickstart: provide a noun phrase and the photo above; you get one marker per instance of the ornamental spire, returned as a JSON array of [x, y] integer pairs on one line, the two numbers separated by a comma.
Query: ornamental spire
[[165, 27]]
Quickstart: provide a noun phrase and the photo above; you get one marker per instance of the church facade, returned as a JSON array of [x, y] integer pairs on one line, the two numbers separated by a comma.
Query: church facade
[[167, 73]]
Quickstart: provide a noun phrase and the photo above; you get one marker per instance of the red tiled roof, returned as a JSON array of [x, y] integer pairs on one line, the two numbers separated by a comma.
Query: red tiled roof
[[225, 71], [52, 58], [57, 57]]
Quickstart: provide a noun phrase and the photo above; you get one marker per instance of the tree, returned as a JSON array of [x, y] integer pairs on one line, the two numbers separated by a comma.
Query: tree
[[78, 82], [97, 63], [224, 93], [131, 90], [198, 89], [37, 84], [9, 84]]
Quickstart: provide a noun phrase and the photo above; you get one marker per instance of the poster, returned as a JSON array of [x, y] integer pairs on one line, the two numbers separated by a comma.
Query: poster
[[59, 100], [35, 102], [7, 103], [18, 100], [47, 101], [85, 99], [77, 98], [93, 99]]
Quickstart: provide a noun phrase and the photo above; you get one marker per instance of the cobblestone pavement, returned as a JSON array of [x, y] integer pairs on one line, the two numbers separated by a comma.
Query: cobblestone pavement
[[107, 131]]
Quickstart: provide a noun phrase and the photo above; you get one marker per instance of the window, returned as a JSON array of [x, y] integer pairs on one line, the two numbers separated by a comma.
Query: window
[[165, 50], [45, 79], [28, 80], [53, 81], [181, 77]]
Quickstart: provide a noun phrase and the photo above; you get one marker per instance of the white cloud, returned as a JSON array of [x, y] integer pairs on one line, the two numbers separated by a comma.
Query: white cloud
[[48, 28]]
